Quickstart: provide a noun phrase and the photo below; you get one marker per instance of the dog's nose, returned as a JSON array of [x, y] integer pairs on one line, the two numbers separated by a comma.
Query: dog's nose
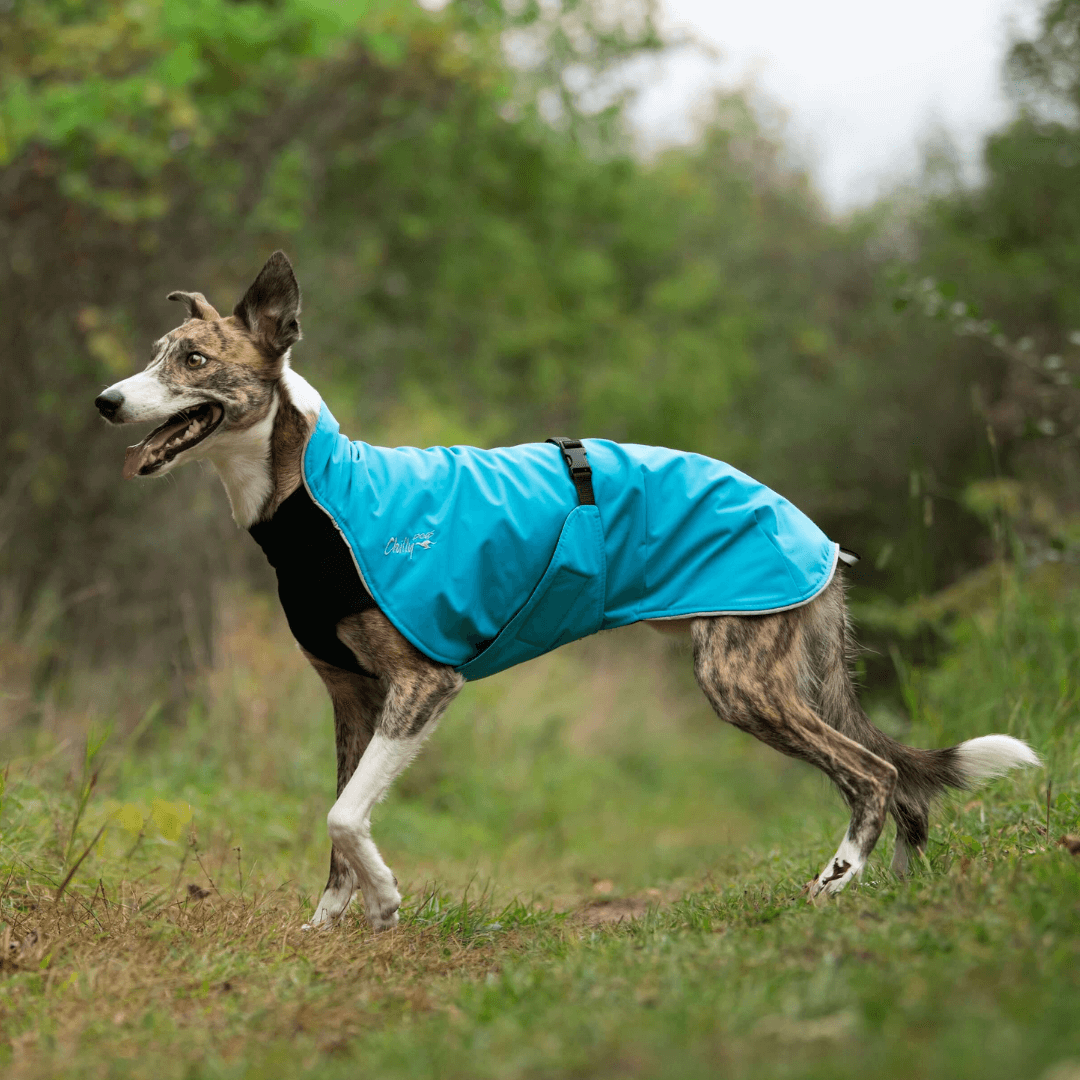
[[108, 404]]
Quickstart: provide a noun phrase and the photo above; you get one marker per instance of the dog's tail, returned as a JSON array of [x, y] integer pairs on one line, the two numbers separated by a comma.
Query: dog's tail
[[922, 775]]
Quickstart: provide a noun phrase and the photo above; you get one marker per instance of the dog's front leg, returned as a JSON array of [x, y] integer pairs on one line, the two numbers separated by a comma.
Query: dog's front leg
[[415, 693], [358, 704]]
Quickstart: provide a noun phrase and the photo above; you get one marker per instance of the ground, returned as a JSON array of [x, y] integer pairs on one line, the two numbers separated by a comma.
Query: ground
[[601, 880]]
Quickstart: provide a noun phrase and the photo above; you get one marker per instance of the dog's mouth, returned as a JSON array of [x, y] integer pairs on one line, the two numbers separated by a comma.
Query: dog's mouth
[[181, 432]]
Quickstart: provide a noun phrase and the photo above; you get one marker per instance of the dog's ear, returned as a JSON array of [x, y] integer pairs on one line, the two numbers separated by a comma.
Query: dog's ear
[[269, 309], [197, 304]]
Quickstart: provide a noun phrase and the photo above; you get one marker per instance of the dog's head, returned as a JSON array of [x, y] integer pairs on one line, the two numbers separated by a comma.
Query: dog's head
[[211, 376]]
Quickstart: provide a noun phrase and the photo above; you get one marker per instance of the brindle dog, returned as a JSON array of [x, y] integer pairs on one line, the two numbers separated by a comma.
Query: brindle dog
[[223, 389]]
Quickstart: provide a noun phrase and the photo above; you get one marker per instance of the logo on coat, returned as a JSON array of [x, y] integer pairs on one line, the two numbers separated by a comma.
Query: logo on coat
[[404, 545]]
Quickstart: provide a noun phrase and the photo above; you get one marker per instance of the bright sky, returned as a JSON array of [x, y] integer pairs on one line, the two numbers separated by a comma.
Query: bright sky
[[862, 82]]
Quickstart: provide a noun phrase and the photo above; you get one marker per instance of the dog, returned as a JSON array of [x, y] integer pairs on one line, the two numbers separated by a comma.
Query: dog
[[223, 389]]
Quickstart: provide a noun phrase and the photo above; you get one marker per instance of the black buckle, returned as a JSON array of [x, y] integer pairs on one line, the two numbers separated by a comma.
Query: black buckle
[[576, 458], [577, 461]]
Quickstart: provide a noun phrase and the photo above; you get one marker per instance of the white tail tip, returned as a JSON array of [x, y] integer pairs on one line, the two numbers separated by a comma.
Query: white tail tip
[[993, 755]]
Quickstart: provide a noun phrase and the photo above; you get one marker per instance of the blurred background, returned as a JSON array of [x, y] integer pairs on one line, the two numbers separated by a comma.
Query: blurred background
[[516, 218]]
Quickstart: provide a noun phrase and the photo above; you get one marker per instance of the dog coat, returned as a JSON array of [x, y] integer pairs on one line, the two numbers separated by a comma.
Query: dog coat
[[486, 558]]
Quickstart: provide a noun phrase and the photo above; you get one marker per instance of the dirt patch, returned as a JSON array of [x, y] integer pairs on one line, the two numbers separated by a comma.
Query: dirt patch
[[617, 910]]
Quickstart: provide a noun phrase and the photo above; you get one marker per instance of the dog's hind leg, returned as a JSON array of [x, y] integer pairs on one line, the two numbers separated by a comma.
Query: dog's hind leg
[[415, 693], [922, 775], [358, 703], [751, 669], [912, 832]]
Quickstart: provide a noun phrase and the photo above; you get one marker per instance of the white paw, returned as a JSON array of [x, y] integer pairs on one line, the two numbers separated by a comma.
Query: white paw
[[331, 907], [840, 869], [383, 921], [382, 908]]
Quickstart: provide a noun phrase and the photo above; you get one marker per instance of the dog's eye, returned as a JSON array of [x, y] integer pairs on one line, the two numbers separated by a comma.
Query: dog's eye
[[195, 359]]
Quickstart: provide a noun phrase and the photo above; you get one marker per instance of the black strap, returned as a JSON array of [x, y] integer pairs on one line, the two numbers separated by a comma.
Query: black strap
[[577, 461]]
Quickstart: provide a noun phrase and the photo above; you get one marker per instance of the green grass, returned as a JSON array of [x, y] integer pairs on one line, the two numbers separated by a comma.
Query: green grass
[[601, 880]]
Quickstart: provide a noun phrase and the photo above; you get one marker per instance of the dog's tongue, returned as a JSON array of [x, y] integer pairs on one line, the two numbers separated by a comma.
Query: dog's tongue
[[145, 453], [134, 457]]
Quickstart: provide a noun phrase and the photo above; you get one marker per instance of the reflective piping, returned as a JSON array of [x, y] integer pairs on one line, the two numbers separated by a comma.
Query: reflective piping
[[766, 611]]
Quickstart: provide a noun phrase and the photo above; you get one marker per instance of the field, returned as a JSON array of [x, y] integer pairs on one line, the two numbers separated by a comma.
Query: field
[[601, 880]]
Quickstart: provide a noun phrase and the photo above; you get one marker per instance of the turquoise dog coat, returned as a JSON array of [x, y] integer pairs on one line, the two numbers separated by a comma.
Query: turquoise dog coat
[[486, 558]]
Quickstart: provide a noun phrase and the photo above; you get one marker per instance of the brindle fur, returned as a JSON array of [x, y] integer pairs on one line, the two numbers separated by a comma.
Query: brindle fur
[[239, 375], [270, 309], [358, 703], [197, 304], [783, 678], [418, 689], [765, 675], [922, 775], [290, 435]]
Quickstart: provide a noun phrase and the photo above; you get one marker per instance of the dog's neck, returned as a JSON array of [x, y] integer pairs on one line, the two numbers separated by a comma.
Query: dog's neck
[[261, 465]]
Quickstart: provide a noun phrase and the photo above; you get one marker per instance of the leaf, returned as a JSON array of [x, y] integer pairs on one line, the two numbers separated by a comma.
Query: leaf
[[130, 817], [389, 48]]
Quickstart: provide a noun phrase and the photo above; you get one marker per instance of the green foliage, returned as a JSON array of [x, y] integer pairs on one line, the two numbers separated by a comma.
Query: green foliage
[[1010, 244], [480, 266], [107, 84], [1015, 668]]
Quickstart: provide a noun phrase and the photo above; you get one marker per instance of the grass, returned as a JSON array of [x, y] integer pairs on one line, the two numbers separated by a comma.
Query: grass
[[601, 880]]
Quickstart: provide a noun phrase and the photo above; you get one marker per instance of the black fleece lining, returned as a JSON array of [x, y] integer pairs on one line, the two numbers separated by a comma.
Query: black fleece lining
[[318, 582]]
